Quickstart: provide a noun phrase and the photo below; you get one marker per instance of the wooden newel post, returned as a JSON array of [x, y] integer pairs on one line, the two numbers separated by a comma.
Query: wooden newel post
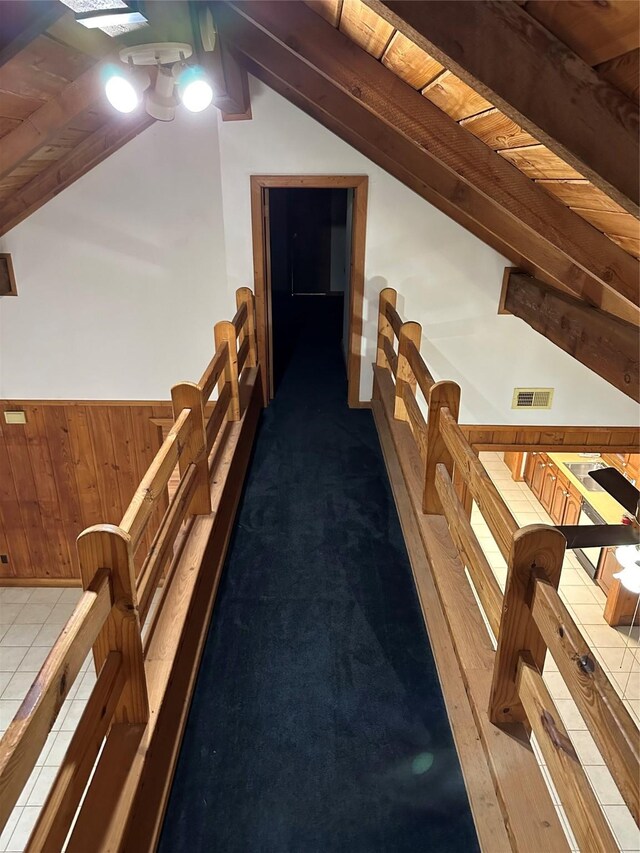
[[187, 395], [244, 295], [388, 296], [404, 375], [224, 332], [442, 395], [536, 551], [106, 546]]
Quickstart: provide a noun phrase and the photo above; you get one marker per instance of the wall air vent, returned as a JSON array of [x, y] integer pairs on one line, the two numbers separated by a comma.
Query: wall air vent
[[532, 398]]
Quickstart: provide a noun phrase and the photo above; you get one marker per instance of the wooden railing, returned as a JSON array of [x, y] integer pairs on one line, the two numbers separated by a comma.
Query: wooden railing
[[114, 605], [530, 618]]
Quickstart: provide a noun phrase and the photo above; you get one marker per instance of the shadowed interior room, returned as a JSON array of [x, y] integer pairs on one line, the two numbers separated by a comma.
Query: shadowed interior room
[[319, 443]]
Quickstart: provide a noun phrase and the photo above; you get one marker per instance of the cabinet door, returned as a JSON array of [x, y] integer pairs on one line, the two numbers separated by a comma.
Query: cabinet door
[[549, 480], [558, 500], [606, 567], [530, 464], [538, 473], [572, 506]]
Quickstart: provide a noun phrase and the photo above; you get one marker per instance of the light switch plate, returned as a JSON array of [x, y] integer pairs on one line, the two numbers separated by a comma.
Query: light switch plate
[[15, 417]]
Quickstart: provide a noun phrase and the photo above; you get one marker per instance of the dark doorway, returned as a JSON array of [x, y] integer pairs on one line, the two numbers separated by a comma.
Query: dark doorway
[[309, 242]]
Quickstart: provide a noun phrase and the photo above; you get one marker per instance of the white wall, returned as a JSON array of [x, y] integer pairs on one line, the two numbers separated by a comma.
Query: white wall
[[447, 279], [122, 276]]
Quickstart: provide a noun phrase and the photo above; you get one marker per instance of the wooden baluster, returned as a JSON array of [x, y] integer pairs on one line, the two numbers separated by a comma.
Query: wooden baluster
[[441, 395], [536, 550], [404, 376], [245, 294], [387, 296], [187, 395], [107, 546], [224, 331]]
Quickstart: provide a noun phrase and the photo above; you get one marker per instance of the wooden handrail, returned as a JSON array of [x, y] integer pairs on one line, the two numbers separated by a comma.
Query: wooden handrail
[[57, 814], [240, 318], [393, 317], [162, 545], [390, 355], [212, 373], [218, 415], [607, 718], [466, 541], [587, 820], [420, 370], [243, 353], [28, 731], [500, 521], [152, 485], [530, 617]]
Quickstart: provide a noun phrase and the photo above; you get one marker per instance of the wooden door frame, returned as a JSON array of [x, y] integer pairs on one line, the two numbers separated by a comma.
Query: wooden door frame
[[360, 185]]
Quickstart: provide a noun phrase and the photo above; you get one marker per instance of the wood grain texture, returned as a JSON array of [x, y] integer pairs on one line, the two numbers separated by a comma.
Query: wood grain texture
[[624, 73], [608, 720], [571, 438], [536, 550], [597, 32], [528, 813], [410, 62], [370, 102], [612, 222], [500, 51], [579, 193], [537, 161], [602, 343], [483, 799], [327, 9], [27, 733], [583, 810], [56, 816], [365, 27], [107, 546], [443, 396], [225, 333], [455, 97], [498, 130], [86, 474], [187, 395], [405, 378], [388, 297]]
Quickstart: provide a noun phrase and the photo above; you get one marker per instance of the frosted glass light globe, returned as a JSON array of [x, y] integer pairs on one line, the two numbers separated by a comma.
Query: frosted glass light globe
[[121, 94], [197, 95]]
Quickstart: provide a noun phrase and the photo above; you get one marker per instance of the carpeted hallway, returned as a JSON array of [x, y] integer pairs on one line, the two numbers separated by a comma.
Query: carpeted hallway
[[317, 723]]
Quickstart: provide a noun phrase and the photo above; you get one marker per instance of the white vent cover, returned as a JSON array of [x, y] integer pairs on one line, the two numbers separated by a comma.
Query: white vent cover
[[532, 398]]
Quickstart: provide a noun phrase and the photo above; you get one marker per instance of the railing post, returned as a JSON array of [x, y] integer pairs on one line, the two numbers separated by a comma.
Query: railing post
[[387, 296], [106, 546], [536, 551], [441, 395], [188, 395], [245, 295], [224, 331], [404, 375]]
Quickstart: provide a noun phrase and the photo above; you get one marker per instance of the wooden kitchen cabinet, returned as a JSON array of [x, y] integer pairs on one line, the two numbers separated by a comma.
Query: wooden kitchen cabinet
[[607, 565], [572, 506], [530, 463], [621, 604], [537, 474], [565, 499]]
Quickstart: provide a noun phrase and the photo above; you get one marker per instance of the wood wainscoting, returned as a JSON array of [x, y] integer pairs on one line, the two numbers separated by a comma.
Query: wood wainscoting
[[71, 465]]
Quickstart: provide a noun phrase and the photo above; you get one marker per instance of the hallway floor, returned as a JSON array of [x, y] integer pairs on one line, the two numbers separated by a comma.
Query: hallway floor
[[317, 723]]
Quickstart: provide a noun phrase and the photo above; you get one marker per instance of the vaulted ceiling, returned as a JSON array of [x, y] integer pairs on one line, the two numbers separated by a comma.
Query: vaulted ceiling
[[517, 119]]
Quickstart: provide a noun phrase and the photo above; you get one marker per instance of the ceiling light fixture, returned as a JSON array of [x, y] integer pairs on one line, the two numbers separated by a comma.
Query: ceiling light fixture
[[124, 87]]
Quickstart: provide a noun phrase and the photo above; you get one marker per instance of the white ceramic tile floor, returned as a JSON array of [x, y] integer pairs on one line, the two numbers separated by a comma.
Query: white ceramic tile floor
[[618, 653]]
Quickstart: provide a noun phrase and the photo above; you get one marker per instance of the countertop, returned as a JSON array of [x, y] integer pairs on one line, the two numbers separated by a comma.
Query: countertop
[[610, 510]]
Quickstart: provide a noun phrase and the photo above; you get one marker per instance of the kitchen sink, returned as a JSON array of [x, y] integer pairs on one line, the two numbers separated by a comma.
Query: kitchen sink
[[580, 471]]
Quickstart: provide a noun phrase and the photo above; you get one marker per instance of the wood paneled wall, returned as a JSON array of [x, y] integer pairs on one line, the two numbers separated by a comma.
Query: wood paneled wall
[[73, 464]]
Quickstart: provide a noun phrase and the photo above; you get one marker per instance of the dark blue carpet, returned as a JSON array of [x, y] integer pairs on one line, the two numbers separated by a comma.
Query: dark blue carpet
[[317, 723]]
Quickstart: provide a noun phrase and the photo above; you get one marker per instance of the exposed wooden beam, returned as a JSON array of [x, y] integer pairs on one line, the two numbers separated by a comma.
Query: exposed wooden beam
[[229, 78], [306, 59], [54, 116], [62, 173], [24, 20], [608, 346], [534, 78]]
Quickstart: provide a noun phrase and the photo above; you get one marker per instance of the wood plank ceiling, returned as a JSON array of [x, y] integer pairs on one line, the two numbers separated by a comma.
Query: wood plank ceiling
[[605, 35], [54, 121]]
